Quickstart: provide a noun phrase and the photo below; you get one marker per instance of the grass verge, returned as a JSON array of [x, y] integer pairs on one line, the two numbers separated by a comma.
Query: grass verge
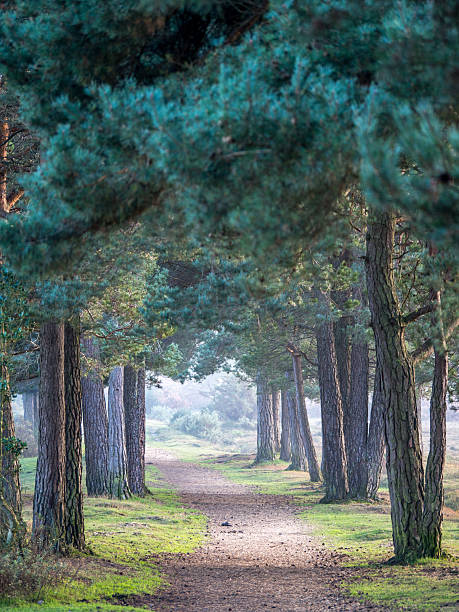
[[361, 531], [125, 539]]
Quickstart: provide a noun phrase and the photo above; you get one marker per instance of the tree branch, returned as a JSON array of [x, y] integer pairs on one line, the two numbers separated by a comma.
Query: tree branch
[[427, 347], [412, 316]]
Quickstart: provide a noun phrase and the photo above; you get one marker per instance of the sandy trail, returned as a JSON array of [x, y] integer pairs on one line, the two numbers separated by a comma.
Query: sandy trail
[[265, 559]]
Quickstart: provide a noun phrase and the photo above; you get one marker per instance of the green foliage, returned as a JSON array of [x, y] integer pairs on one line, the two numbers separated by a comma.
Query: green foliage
[[203, 424], [14, 445]]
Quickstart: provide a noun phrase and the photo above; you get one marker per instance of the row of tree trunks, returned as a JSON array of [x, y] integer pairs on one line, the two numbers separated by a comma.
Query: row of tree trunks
[[134, 412], [58, 500], [266, 446], [334, 464], [95, 423], [403, 449], [285, 446]]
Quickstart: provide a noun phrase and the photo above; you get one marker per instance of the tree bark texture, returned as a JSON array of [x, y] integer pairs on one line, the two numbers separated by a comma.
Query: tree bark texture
[[434, 491], [298, 453], [48, 504], [285, 448], [265, 422], [95, 425], [357, 422], [74, 521], [333, 450], [341, 331], [403, 450], [303, 421], [376, 436], [10, 460], [134, 414], [117, 463], [275, 398]]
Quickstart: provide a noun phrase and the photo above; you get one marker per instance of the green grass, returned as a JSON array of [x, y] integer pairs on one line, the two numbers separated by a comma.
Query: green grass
[[360, 531], [125, 538]]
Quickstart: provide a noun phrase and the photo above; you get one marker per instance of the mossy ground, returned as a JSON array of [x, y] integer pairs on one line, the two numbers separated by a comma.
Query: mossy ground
[[125, 539], [359, 530]]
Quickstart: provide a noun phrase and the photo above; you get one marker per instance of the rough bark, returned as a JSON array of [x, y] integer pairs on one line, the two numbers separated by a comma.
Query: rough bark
[[134, 414], [376, 436], [434, 491], [341, 333], [275, 398], [74, 521], [117, 463], [357, 422], [265, 422], [333, 450], [285, 447], [48, 504], [403, 451], [298, 453], [303, 421], [95, 425], [10, 461]]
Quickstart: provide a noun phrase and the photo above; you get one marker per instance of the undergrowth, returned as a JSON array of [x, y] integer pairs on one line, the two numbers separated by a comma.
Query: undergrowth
[[125, 539]]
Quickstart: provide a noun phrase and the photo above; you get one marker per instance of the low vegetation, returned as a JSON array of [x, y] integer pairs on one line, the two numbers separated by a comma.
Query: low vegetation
[[124, 540]]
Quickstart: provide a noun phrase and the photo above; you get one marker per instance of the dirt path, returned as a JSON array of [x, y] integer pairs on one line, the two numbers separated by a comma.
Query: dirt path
[[266, 558]]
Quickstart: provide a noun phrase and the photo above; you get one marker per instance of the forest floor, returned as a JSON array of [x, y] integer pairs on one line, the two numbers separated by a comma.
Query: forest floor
[[259, 554]]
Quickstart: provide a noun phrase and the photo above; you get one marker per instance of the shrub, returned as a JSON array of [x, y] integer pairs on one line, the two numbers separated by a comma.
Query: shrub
[[204, 424], [26, 574]]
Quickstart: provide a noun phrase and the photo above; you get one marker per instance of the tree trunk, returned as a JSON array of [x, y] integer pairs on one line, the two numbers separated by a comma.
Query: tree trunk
[[48, 503], [297, 447], [74, 521], [333, 451], [27, 402], [95, 425], [376, 436], [434, 493], [275, 398], [285, 447], [10, 459], [12, 527], [403, 450], [265, 422], [343, 366], [134, 413], [357, 422], [303, 421], [117, 464]]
